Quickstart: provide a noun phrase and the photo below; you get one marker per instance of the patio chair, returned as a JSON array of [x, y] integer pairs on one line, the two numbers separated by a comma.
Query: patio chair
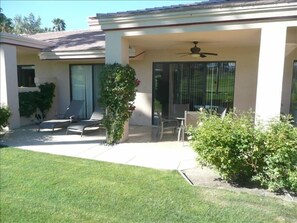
[[71, 115], [191, 119], [165, 124], [179, 110], [94, 121], [222, 112]]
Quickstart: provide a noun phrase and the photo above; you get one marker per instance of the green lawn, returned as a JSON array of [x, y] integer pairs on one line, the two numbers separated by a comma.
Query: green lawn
[[37, 187]]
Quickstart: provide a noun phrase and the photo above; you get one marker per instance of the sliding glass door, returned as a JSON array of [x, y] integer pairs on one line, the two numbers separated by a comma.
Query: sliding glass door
[[85, 85], [199, 84]]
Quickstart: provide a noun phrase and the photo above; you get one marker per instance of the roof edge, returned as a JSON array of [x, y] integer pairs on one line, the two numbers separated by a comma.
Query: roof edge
[[17, 40]]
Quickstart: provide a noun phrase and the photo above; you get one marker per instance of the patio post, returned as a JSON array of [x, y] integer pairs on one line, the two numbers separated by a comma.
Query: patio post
[[270, 72], [9, 83], [117, 51]]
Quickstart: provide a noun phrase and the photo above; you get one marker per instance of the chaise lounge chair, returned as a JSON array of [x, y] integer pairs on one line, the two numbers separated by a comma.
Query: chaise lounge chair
[[94, 121], [62, 121]]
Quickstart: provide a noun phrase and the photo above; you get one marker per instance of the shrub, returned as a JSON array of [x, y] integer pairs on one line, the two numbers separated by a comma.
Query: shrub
[[29, 102], [231, 145], [4, 116], [280, 161], [118, 91], [241, 152]]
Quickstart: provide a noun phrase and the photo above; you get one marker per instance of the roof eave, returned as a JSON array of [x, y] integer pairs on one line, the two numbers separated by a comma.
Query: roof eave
[[79, 54], [12, 39], [68, 55], [165, 18]]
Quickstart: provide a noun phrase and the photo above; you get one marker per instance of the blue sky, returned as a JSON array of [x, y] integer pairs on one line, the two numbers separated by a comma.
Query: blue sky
[[75, 13]]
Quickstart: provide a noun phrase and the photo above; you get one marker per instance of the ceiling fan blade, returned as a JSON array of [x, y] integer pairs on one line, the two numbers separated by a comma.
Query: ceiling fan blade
[[202, 55], [205, 53]]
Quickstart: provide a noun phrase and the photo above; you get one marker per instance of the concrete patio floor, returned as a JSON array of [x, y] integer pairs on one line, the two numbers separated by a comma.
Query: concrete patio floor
[[141, 149]]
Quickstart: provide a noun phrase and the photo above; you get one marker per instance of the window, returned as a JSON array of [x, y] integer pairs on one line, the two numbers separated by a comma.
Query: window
[[293, 108], [199, 84], [26, 75], [85, 85]]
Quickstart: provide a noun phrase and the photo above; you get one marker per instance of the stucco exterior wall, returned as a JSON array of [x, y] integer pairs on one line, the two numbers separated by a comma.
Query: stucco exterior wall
[[49, 71], [246, 59]]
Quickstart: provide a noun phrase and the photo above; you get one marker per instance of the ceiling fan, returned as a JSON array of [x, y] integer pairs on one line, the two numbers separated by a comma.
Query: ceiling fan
[[196, 51]]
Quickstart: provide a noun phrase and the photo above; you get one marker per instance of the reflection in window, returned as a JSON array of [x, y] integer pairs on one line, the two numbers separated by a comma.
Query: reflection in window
[[293, 109], [26, 75], [199, 84]]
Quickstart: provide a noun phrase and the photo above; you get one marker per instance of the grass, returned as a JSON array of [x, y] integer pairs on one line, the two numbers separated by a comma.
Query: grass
[[38, 187]]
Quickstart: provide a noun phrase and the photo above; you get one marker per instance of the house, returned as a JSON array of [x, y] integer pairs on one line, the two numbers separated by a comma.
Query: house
[[233, 53]]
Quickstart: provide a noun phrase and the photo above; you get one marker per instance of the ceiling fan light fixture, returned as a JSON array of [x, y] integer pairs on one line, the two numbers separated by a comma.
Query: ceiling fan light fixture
[[195, 55]]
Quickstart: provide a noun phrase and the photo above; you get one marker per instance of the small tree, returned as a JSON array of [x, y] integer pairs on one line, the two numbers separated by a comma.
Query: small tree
[[118, 91], [5, 23], [27, 24], [59, 25]]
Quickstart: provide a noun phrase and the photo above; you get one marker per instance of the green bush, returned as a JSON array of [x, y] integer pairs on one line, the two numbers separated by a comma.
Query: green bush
[[29, 102], [231, 145], [4, 116], [242, 152], [280, 161], [118, 91]]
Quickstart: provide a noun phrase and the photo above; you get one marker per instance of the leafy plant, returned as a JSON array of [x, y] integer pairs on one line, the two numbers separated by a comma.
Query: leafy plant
[[245, 152], [29, 102], [118, 91], [280, 161], [231, 144], [4, 116]]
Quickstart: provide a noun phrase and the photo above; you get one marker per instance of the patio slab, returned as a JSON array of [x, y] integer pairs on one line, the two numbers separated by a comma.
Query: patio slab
[[141, 149]]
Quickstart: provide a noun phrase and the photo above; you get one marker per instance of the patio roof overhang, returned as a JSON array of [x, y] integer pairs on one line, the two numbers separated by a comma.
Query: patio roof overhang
[[240, 12], [218, 25]]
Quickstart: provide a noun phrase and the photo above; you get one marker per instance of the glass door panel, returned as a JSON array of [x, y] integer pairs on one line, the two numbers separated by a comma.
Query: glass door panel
[[97, 89], [81, 83], [199, 84], [293, 108]]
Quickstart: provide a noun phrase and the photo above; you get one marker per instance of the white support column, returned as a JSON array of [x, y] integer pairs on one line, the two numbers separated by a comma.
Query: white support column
[[9, 83], [270, 72], [116, 49]]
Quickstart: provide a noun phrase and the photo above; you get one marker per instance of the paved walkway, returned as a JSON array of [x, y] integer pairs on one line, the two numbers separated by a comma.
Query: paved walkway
[[141, 149]]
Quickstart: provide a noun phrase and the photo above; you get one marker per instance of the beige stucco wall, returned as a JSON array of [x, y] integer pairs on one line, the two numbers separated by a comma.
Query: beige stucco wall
[[52, 71], [245, 80]]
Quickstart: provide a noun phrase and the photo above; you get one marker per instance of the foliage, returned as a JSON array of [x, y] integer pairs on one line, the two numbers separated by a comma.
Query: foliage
[[280, 161], [32, 191], [229, 144], [118, 91], [59, 25], [27, 24], [242, 152], [5, 23], [29, 102], [4, 116]]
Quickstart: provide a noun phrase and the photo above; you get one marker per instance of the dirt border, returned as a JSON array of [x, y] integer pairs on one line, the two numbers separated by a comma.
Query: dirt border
[[206, 177]]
